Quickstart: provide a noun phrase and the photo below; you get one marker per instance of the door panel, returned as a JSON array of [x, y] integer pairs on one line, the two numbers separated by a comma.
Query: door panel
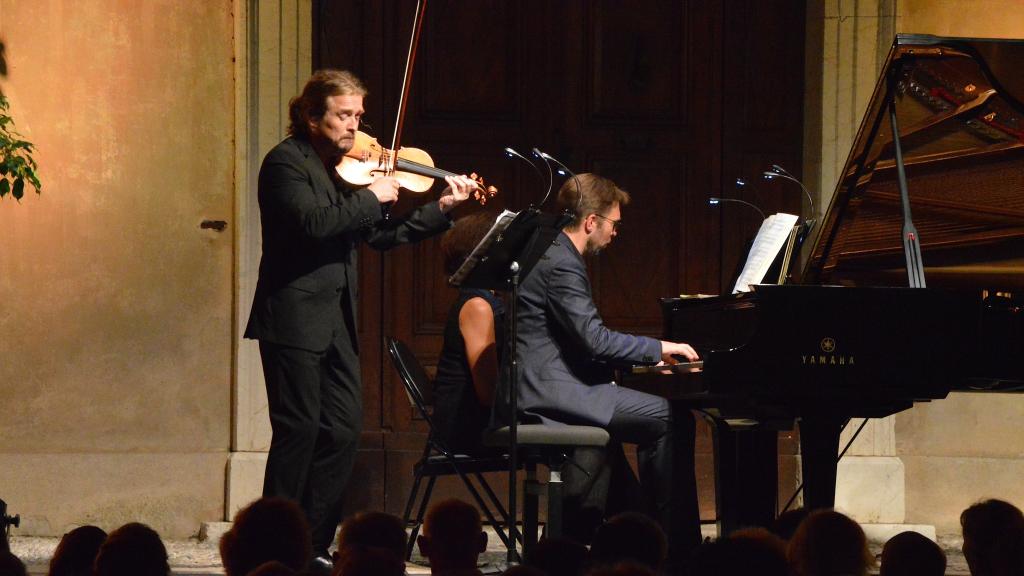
[[671, 99]]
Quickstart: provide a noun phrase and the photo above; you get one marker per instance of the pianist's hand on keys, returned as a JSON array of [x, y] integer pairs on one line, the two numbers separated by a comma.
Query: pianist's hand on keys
[[669, 351]]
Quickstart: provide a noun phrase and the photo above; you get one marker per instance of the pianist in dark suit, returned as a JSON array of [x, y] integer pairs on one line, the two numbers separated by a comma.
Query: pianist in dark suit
[[566, 355]]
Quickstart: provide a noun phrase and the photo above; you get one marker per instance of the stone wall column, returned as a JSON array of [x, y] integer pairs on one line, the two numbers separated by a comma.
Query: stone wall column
[[273, 61]]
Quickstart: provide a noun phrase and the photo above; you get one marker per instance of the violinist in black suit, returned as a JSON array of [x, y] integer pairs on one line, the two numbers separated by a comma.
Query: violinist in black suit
[[305, 307]]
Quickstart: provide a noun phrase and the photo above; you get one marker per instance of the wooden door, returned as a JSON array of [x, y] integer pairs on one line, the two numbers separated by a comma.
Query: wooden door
[[669, 99]]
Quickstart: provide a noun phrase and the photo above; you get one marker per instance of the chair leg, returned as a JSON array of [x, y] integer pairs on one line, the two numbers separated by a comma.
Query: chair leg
[[409, 503], [413, 493], [483, 506], [531, 492], [497, 504], [553, 529], [420, 514]]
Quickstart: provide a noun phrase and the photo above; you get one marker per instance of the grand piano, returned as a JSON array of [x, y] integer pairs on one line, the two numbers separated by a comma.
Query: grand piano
[[913, 285]]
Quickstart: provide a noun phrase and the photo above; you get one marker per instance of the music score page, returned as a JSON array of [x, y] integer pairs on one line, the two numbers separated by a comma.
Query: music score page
[[773, 235]]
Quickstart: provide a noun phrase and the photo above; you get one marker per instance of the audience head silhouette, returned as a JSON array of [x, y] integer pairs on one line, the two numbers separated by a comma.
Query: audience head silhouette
[[268, 529], [524, 570], [452, 537], [751, 551], [629, 536], [10, 565], [828, 543], [272, 568], [621, 569], [359, 560], [785, 525], [132, 550], [373, 530], [76, 552], [911, 554], [993, 538], [560, 556]]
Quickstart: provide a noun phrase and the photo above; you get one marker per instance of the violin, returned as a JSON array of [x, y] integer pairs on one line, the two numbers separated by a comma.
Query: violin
[[412, 167]]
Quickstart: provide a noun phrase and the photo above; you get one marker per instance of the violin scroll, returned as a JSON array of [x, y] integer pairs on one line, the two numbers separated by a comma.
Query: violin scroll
[[483, 193]]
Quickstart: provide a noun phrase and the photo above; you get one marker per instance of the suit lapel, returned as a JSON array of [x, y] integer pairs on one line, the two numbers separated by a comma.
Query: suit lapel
[[321, 180]]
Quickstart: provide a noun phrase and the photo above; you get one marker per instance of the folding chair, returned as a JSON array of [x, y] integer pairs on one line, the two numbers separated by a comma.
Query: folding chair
[[437, 460]]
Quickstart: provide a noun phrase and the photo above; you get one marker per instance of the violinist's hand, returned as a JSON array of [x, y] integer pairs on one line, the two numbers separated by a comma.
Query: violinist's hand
[[459, 188], [671, 349], [385, 189]]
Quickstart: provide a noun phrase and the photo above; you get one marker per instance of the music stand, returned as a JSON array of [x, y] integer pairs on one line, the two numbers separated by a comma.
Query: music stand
[[504, 257]]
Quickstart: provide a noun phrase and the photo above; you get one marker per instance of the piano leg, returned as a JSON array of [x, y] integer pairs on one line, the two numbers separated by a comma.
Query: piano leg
[[746, 476], [819, 449]]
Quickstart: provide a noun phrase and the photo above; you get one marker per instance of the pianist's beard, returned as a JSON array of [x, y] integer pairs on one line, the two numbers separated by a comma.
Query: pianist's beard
[[593, 247]]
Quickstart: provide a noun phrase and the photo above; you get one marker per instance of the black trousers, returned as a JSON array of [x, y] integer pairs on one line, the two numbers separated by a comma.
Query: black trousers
[[316, 414], [602, 483]]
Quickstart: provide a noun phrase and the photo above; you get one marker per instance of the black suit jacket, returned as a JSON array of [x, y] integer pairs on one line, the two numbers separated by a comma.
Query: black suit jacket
[[308, 279], [564, 350]]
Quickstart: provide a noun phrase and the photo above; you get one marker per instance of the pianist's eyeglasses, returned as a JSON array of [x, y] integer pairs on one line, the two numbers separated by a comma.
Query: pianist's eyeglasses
[[615, 223]]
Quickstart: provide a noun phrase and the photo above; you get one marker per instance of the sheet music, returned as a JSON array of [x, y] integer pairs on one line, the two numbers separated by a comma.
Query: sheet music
[[788, 254], [500, 224], [775, 231]]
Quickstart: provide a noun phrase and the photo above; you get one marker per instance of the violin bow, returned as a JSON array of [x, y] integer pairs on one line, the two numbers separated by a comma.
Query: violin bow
[[403, 99]]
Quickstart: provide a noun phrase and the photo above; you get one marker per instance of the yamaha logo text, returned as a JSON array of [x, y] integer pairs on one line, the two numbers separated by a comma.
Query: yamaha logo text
[[827, 356]]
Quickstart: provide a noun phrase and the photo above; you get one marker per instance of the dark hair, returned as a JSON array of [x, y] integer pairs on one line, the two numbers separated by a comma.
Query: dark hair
[[132, 550], [268, 529], [629, 536], [622, 569], [11, 565], [993, 538], [374, 530], [599, 195], [524, 570], [741, 555], [452, 525], [76, 552], [828, 542], [272, 568], [459, 241], [560, 556], [911, 554], [368, 561], [312, 103], [785, 524]]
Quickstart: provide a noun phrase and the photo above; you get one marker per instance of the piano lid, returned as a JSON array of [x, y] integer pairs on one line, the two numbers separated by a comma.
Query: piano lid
[[961, 120]]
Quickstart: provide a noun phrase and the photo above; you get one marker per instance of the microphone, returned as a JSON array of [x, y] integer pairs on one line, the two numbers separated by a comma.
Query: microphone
[[565, 171], [713, 201], [780, 172], [510, 152]]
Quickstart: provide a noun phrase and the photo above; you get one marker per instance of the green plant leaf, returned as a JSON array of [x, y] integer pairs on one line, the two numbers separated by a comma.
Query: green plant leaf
[[19, 188], [5, 187]]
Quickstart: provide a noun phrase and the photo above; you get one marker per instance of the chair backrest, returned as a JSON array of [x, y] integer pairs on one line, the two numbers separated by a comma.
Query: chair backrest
[[414, 377]]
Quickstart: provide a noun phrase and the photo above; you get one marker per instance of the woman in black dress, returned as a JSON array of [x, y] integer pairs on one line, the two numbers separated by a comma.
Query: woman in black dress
[[467, 371]]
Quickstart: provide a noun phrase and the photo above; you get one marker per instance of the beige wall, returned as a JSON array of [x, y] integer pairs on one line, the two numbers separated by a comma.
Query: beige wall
[[115, 307], [966, 447], [973, 19]]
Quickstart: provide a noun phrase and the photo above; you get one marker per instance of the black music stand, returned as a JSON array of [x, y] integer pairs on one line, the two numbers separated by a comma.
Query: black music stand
[[503, 258]]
